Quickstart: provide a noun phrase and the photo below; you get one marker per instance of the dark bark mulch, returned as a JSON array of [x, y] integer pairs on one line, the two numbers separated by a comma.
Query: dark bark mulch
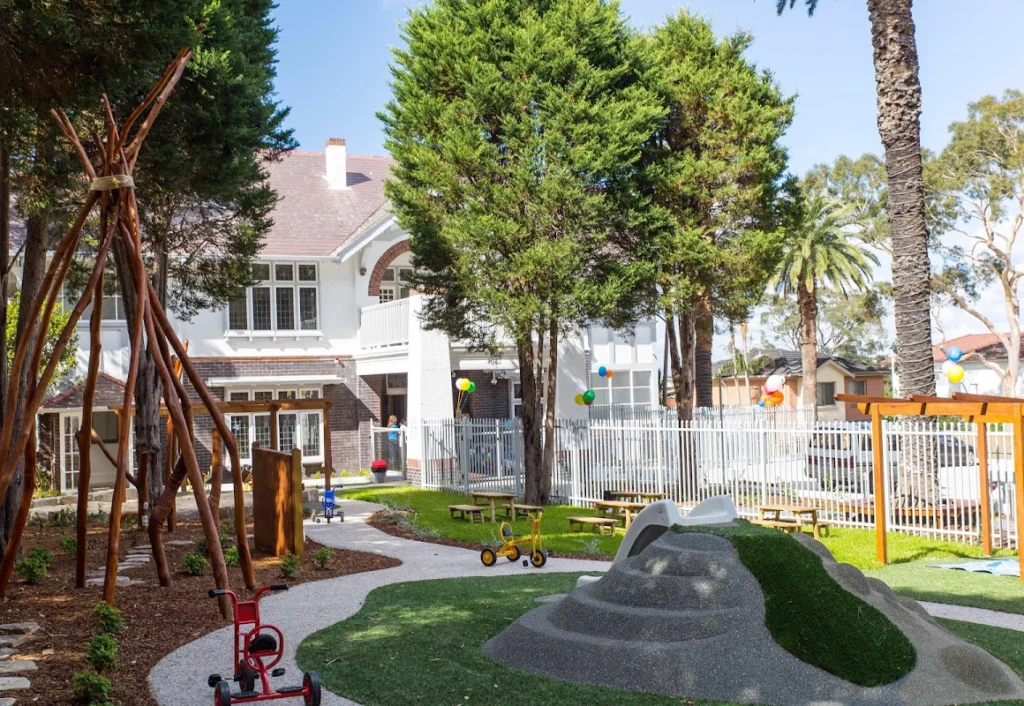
[[157, 620]]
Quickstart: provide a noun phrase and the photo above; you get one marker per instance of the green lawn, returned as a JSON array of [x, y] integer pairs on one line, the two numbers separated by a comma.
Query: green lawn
[[419, 643], [917, 581]]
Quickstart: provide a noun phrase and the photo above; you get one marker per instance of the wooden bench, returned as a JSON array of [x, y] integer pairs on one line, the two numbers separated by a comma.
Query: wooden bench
[[784, 525], [525, 510], [467, 512], [826, 526], [577, 524]]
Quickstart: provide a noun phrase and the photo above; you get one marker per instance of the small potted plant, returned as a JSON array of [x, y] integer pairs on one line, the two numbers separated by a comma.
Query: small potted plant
[[379, 468]]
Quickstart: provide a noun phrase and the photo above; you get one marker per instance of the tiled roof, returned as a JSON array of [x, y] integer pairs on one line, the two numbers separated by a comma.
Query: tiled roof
[[311, 219], [986, 344], [109, 391], [789, 363]]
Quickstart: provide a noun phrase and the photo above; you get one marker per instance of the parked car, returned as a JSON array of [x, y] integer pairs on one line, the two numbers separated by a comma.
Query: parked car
[[839, 456], [955, 452]]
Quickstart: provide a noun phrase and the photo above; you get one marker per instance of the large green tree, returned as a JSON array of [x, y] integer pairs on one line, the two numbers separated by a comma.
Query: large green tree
[[820, 250], [516, 126], [717, 167], [63, 54]]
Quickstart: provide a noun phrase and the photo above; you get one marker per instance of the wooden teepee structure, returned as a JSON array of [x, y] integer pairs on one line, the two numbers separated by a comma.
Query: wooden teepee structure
[[112, 193]]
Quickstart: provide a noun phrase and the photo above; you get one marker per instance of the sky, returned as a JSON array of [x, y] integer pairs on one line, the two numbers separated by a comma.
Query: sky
[[333, 72]]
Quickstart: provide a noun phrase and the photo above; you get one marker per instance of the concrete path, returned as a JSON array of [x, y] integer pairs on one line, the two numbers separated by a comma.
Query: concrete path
[[179, 679]]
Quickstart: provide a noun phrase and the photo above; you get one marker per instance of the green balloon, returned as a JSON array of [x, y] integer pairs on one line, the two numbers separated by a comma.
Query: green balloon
[[588, 396], [472, 386]]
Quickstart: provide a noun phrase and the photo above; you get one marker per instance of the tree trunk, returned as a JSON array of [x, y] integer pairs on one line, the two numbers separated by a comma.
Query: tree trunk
[[533, 464], [21, 515], [704, 326], [899, 110], [808, 305], [550, 409], [5, 249], [735, 367], [746, 362], [33, 272], [680, 334]]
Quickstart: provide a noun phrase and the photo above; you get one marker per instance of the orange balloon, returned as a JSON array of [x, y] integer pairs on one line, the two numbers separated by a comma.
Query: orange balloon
[[608, 373], [777, 397]]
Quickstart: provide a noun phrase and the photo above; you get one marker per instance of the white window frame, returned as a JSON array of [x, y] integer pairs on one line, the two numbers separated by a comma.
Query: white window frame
[[301, 416], [395, 285], [64, 450], [273, 284], [605, 386]]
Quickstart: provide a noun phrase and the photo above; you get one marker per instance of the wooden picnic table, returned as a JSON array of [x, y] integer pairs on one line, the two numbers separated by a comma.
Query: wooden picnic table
[[492, 498], [637, 495], [771, 515], [622, 508]]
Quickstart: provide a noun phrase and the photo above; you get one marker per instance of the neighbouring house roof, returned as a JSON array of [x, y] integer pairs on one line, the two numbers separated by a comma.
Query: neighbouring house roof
[[789, 363], [312, 219], [985, 344], [109, 391]]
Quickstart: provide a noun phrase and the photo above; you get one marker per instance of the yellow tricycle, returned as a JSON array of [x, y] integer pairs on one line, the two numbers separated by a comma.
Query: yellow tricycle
[[511, 543]]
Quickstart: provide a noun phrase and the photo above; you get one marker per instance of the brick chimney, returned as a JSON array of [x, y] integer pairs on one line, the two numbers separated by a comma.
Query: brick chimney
[[337, 164]]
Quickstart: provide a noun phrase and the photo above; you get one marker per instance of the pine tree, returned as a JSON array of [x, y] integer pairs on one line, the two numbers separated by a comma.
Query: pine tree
[[516, 126]]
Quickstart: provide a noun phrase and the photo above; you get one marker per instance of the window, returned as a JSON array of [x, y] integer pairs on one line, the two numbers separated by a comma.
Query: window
[[627, 388], [395, 284], [69, 446], [113, 304], [826, 394], [294, 428], [286, 299], [857, 387]]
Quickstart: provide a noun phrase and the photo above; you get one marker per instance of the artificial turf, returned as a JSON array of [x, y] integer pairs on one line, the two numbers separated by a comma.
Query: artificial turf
[[419, 643], [856, 642], [920, 582]]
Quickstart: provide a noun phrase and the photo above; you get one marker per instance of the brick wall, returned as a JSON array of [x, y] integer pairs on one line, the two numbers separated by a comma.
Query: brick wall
[[385, 260], [356, 403], [488, 401], [875, 387]]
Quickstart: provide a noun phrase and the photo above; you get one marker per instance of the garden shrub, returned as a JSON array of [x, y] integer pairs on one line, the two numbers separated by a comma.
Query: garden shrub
[[101, 653], [322, 557], [231, 556], [43, 555], [65, 517], [111, 622], [91, 688], [68, 544], [195, 563], [202, 546], [289, 565], [32, 568]]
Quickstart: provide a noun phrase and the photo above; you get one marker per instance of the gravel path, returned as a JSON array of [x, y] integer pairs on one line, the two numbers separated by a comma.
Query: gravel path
[[179, 679]]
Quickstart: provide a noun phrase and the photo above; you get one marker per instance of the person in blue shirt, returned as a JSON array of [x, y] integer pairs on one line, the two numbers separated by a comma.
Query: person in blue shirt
[[394, 444]]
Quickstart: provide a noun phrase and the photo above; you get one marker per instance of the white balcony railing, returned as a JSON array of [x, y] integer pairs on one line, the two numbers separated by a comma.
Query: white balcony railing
[[385, 324]]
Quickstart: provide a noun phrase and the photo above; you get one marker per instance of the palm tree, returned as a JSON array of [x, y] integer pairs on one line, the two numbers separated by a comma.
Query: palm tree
[[898, 89], [820, 251]]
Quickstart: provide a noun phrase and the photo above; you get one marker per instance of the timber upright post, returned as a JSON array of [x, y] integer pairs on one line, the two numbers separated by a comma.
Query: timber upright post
[[1018, 473], [983, 496], [877, 450], [328, 459]]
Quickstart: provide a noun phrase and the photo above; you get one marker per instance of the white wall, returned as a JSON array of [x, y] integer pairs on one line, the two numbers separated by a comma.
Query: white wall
[[978, 380]]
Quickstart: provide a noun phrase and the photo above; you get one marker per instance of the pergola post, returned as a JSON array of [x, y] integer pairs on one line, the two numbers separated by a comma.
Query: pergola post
[[983, 497], [328, 460], [877, 450], [274, 431]]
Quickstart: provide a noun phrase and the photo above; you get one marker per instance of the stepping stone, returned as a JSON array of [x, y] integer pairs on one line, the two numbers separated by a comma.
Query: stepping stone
[[7, 702], [6, 652], [120, 581], [19, 628], [180, 543], [17, 665], [12, 683], [14, 640], [142, 548]]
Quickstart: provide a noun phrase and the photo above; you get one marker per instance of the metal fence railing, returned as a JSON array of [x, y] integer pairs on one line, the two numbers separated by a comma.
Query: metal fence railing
[[390, 444], [766, 459]]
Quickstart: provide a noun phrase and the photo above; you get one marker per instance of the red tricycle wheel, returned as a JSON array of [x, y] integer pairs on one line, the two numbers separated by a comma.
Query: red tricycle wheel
[[222, 694], [311, 688], [248, 681]]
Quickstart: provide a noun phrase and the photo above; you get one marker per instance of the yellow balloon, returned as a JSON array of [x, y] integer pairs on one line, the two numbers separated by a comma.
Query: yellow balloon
[[579, 399], [955, 374]]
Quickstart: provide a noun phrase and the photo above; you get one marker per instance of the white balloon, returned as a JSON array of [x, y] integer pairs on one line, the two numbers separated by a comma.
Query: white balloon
[[774, 383], [946, 365]]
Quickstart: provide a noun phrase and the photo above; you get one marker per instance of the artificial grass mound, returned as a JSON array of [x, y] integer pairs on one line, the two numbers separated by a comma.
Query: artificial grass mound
[[810, 615]]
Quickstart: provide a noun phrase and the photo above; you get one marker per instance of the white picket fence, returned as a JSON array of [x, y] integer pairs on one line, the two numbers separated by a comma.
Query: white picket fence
[[766, 459]]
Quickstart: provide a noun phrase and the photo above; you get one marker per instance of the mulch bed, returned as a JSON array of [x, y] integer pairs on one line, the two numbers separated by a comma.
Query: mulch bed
[[157, 620], [385, 521]]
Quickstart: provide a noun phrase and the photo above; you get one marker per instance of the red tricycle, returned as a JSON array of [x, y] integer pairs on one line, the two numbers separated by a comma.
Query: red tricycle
[[258, 647]]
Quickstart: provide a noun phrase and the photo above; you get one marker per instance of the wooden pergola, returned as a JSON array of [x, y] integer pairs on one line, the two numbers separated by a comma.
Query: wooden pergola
[[979, 409]]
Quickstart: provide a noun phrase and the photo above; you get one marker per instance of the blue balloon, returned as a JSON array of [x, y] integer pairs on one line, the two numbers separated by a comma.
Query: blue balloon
[[760, 403], [954, 353], [602, 371]]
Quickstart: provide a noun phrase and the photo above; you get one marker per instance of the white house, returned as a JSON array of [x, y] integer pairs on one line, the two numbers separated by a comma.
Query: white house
[[334, 317], [978, 378]]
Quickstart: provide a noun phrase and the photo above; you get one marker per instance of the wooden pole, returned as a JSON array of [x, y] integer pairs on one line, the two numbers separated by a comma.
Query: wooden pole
[[877, 450], [28, 489], [1018, 474], [142, 488], [274, 440], [216, 474], [328, 456], [986, 505]]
